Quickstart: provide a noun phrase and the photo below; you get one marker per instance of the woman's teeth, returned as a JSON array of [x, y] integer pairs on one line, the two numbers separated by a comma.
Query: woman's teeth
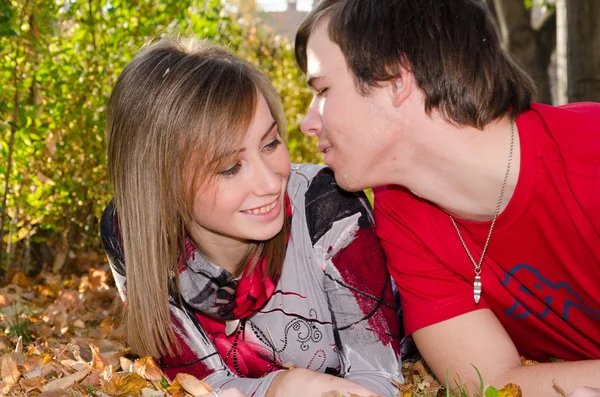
[[262, 210]]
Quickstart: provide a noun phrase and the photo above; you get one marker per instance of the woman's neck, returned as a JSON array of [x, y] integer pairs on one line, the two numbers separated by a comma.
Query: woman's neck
[[222, 251]]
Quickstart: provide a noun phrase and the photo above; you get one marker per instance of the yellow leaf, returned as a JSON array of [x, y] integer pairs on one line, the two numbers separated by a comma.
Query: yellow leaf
[[130, 384], [510, 390], [174, 388]]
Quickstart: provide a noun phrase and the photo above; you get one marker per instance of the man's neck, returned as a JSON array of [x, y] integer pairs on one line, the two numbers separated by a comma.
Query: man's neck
[[462, 170]]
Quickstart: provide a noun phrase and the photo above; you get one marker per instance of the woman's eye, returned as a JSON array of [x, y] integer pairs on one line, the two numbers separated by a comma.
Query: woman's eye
[[231, 171], [273, 145]]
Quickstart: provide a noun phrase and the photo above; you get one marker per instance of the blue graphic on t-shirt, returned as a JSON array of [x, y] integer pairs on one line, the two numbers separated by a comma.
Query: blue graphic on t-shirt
[[558, 296]]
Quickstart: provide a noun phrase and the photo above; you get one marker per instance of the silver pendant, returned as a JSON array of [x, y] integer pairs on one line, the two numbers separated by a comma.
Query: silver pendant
[[231, 326], [477, 288]]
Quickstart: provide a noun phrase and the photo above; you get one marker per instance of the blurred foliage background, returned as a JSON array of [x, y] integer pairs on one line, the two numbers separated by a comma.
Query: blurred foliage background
[[60, 58], [58, 62]]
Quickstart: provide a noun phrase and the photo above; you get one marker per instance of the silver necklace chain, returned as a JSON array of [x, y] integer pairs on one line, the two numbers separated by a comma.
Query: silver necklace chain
[[477, 287]]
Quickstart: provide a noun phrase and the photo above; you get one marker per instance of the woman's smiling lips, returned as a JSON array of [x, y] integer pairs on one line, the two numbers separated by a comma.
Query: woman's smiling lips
[[267, 212]]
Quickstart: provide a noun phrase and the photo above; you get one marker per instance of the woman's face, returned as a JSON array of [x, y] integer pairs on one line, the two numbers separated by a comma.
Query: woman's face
[[246, 200]]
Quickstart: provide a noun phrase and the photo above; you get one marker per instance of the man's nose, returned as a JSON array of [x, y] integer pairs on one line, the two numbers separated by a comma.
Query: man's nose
[[312, 123]]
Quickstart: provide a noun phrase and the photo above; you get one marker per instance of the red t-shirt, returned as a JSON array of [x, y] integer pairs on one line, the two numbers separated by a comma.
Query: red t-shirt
[[541, 274]]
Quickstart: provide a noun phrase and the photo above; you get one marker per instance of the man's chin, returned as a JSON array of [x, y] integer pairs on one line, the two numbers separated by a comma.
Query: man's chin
[[347, 182]]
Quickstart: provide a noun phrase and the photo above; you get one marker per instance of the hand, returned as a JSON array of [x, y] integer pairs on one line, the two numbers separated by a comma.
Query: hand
[[300, 382], [585, 392]]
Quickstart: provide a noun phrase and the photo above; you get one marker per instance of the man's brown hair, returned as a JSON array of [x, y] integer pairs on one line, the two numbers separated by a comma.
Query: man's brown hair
[[450, 46]]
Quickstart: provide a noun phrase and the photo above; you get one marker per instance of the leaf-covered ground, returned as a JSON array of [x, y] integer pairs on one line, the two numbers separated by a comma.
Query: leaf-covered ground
[[60, 336]]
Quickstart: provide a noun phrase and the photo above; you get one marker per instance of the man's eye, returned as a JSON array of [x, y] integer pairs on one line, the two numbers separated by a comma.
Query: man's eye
[[321, 92], [231, 171]]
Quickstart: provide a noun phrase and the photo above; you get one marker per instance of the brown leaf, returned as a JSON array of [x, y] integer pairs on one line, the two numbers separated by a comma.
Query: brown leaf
[[130, 384], [125, 364], [10, 373], [3, 301], [192, 385], [98, 362], [147, 369], [55, 393], [147, 392], [66, 381], [18, 278], [33, 383]]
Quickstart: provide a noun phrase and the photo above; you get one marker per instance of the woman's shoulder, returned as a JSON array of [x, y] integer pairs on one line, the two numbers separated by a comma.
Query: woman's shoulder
[[107, 221], [324, 202], [109, 232], [314, 178]]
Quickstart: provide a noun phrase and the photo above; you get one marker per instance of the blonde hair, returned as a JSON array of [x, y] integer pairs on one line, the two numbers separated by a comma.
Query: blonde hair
[[175, 113]]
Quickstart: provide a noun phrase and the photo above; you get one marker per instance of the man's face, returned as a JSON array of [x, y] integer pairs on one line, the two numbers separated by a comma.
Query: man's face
[[353, 130]]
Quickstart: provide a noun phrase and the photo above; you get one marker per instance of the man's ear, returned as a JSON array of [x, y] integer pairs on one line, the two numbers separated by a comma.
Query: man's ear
[[401, 87]]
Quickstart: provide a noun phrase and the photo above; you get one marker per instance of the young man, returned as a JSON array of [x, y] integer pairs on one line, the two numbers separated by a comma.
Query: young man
[[492, 224]]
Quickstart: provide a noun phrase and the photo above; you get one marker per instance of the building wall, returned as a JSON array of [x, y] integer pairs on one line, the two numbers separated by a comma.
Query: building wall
[[286, 22]]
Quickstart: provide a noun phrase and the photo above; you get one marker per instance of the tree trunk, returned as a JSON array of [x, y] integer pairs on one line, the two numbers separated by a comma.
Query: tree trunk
[[11, 144], [531, 46], [562, 68], [583, 50]]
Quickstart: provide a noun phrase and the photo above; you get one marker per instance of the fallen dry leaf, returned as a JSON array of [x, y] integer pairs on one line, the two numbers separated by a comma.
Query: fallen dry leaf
[[126, 364], [33, 383], [147, 392], [77, 346], [130, 384], [192, 385], [510, 390], [98, 362], [147, 369], [63, 383], [10, 373]]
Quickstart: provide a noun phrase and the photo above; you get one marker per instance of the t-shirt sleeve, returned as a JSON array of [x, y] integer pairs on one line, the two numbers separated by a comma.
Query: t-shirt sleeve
[[409, 234]]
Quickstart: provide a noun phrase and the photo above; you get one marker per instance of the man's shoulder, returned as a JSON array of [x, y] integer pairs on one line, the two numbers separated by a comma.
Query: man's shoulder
[[582, 116], [575, 130]]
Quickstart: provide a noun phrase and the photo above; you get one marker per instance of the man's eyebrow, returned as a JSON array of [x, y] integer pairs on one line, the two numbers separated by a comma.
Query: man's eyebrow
[[268, 131], [313, 80]]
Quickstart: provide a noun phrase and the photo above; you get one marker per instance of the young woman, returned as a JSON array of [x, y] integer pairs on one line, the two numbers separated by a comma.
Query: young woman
[[257, 276]]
